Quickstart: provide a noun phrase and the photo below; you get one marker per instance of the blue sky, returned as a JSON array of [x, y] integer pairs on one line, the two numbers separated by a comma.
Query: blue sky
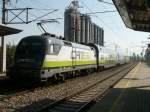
[[115, 30]]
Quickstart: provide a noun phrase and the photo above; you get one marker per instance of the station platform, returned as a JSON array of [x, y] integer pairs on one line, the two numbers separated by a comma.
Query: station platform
[[131, 94], [2, 75]]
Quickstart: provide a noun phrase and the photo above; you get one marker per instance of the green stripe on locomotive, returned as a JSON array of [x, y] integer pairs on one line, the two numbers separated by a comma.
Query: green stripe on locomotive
[[74, 63], [66, 63]]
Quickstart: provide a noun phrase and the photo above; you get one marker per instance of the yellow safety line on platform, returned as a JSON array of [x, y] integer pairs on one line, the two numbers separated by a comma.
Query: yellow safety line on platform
[[123, 92]]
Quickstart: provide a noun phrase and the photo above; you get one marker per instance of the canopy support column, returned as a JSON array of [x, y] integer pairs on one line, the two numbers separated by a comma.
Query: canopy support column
[[3, 55]]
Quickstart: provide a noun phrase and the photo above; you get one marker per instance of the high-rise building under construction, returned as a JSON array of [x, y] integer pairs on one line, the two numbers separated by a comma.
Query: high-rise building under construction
[[72, 23], [79, 27]]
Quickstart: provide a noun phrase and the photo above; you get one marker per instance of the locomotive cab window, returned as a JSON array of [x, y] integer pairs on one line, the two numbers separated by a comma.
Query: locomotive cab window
[[54, 49], [30, 48]]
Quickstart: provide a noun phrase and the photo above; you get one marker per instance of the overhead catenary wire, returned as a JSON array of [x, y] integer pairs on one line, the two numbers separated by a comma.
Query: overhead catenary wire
[[101, 12], [34, 15], [39, 8], [112, 19], [94, 14], [33, 8], [43, 15], [42, 9], [13, 6], [100, 19], [40, 2], [110, 16], [106, 2]]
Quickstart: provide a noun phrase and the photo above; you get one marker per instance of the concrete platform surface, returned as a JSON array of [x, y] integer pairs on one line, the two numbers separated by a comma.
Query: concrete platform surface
[[2, 74], [131, 94]]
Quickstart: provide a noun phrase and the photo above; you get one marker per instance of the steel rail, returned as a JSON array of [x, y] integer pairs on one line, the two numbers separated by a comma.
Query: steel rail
[[55, 105]]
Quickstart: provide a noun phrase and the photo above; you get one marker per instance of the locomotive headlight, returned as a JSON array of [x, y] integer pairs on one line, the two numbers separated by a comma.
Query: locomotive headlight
[[49, 41]]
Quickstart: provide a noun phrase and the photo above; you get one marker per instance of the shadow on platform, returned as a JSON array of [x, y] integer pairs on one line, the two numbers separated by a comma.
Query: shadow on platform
[[135, 99]]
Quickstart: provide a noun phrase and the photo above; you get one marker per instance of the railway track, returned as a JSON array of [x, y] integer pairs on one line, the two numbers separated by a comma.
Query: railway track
[[4, 97], [9, 90], [80, 101], [14, 90]]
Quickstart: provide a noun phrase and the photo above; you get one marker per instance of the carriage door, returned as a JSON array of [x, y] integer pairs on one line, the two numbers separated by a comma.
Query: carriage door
[[73, 57]]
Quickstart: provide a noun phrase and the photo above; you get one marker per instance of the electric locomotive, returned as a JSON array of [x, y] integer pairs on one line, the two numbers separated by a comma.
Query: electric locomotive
[[42, 57]]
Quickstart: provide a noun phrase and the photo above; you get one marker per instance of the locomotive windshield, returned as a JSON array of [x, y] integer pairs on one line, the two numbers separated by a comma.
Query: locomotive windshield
[[30, 50]]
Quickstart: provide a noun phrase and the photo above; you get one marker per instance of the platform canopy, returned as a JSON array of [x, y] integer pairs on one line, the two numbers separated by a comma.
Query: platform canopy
[[3, 32], [8, 31], [135, 13]]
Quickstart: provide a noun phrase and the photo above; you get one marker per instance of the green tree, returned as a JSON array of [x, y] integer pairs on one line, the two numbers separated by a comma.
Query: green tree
[[10, 54]]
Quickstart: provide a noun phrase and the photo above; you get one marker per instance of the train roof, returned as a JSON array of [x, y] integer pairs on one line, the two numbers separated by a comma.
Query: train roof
[[53, 40], [64, 42], [80, 46]]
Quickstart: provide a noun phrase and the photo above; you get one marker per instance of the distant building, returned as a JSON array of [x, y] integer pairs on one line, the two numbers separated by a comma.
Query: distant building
[[82, 36], [72, 24], [98, 35], [79, 27]]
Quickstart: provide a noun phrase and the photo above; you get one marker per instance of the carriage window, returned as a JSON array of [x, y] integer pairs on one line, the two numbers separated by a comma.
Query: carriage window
[[54, 49], [51, 49]]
